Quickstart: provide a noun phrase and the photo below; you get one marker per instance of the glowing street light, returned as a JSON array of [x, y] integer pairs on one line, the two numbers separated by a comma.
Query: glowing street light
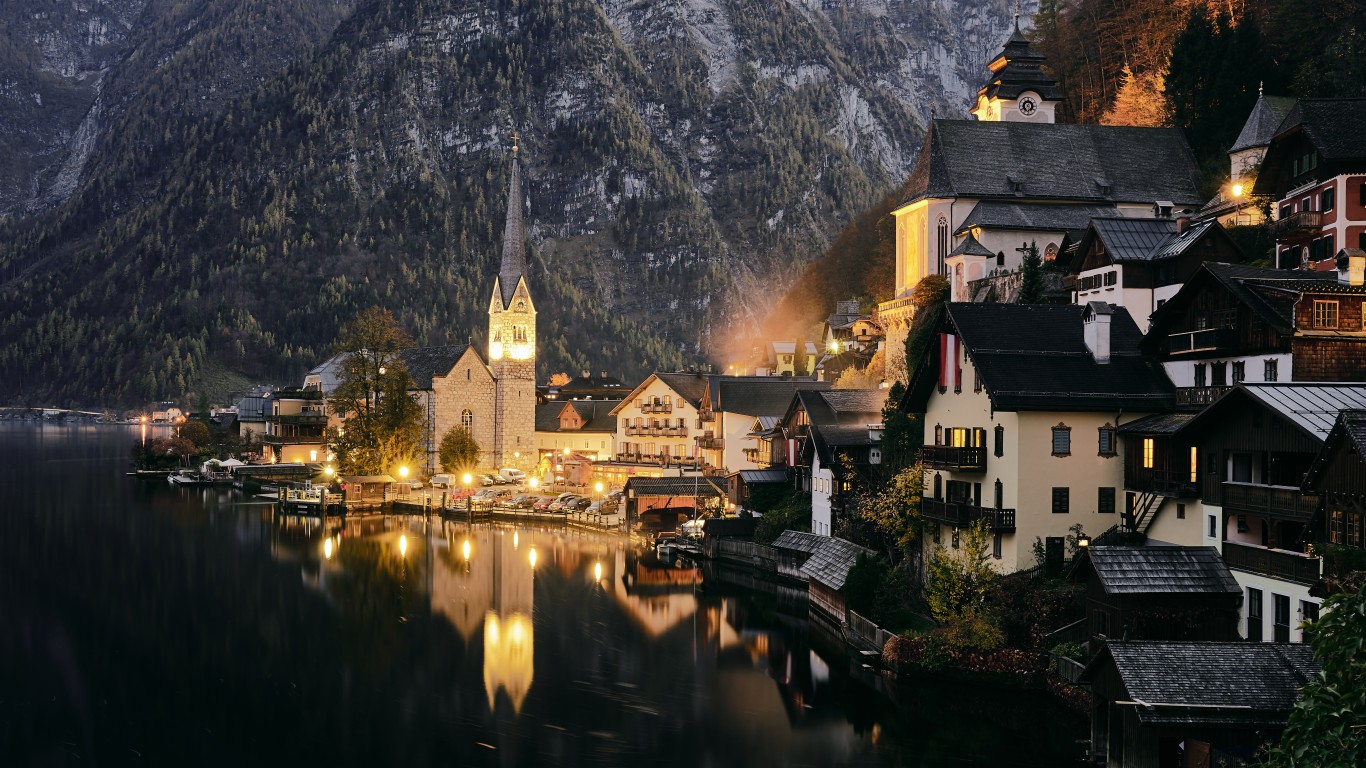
[[1237, 190], [532, 483], [403, 472]]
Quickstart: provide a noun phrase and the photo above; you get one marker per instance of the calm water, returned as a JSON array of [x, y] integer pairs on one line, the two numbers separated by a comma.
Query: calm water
[[142, 624]]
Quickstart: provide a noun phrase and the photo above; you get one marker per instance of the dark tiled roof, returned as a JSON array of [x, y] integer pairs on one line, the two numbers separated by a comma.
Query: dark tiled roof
[[675, 486], [856, 403], [757, 395], [830, 563], [799, 541], [1313, 407], [1191, 681], [1097, 163], [999, 214], [1022, 71], [1266, 117], [690, 386], [548, 416], [594, 382], [753, 476], [1351, 425], [1157, 424], [596, 414], [424, 363], [970, 247], [1162, 570], [1034, 357], [1337, 127], [1270, 293], [1129, 239]]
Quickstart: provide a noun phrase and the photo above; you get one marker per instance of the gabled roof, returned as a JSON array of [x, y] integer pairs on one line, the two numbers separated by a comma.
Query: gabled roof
[[694, 486], [1269, 293], [329, 372], [1045, 161], [1161, 570], [829, 564], [756, 395], [1335, 127], [1139, 240], [1350, 427], [548, 416], [1262, 123], [1313, 407], [758, 476], [424, 363], [596, 415], [1043, 217], [1157, 424], [1033, 357], [590, 381], [689, 386], [1209, 682]]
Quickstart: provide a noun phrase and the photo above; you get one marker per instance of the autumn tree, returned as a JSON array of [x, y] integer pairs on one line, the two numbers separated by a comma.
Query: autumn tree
[[383, 425], [1141, 100], [929, 297], [196, 431], [459, 451], [957, 585], [559, 379]]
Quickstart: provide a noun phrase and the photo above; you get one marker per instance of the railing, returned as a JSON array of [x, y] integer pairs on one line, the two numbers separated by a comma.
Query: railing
[[293, 439], [956, 458], [751, 455], [657, 459], [962, 514], [1199, 395], [633, 431], [656, 408], [1174, 484], [1282, 501], [895, 305], [706, 416], [1276, 563], [868, 633], [311, 419], [1297, 223], [711, 442], [1203, 340]]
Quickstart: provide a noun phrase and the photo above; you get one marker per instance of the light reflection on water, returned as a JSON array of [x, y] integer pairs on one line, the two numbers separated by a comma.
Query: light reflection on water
[[194, 626]]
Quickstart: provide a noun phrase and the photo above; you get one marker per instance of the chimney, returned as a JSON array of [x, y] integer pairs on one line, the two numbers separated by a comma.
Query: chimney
[[1352, 266], [1183, 222], [1095, 320]]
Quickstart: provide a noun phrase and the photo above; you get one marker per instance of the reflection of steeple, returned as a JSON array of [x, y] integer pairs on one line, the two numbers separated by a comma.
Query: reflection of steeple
[[509, 657]]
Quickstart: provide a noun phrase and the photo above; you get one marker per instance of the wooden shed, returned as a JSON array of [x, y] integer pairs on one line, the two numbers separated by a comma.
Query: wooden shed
[[1159, 593]]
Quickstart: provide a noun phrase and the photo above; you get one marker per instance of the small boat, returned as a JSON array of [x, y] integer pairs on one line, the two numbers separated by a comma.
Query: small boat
[[189, 477]]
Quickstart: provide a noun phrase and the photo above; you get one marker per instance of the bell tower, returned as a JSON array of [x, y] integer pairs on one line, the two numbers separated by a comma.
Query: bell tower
[[1017, 88], [512, 340]]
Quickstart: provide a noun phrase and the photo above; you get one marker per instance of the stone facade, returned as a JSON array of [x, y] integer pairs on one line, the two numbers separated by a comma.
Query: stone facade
[[466, 391]]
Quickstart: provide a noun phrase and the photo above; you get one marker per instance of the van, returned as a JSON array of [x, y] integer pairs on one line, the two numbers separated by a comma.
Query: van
[[442, 481], [515, 475]]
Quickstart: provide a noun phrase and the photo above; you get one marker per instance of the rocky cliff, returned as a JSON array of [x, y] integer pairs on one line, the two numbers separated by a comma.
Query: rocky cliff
[[202, 192]]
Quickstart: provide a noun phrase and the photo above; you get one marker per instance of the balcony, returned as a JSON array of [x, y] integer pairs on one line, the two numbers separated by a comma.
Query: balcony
[[642, 431], [1297, 224], [1276, 563], [293, 439], [1283, 502], [961, 459], [1202, 340], [1175, 485], [1200, 396], [704, 416], [656, 408], [711, 442], [658, 460], [961, 514], [751, 455], [312, 419]]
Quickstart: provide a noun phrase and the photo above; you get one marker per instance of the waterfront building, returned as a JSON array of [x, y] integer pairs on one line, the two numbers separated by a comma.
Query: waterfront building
[[296, 427], [1158, 593], [833, 443], [583, 427], [1021, 406], [656, 424], [727, 412]]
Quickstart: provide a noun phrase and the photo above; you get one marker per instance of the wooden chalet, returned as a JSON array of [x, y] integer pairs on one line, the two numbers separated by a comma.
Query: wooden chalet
[[1158, 593], [1338, 475], [1157, 704]]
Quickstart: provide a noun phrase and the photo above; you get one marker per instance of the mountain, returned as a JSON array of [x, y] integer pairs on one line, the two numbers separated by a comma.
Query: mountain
[[251, 173]]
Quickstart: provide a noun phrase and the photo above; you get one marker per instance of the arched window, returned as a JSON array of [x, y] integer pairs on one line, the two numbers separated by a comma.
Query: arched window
[[943, 241], [467, 419], [1051, 252]]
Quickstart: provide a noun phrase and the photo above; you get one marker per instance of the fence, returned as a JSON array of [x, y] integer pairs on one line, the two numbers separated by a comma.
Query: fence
[[866, 633]]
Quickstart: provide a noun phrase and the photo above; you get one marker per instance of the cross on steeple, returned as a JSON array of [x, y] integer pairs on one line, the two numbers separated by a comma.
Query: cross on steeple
[[515, 140]]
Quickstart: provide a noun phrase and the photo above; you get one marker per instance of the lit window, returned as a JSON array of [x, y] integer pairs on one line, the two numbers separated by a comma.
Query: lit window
[[1147, 453], [1195, 463], [1325, 314]]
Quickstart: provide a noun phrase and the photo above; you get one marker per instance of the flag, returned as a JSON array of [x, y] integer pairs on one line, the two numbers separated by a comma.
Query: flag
[[950, 375]]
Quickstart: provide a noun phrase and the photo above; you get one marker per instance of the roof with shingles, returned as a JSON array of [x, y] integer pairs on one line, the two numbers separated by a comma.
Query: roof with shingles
[[1350, 425], [1200, 682], [1046, 217], [690, 386], [1034, 357], [1162, 570], [596, 415], [1098, 163], [752, 476], [1313, 407], [798, 541], [1337, 127], [674, 486], [1270, 294], [1157, 424], [829, 564], [757, 395], [1263, 122], [425, 363], [970, 247], [548, 416]]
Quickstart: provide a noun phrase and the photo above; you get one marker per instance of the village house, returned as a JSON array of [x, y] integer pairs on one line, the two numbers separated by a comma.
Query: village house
[[1021, 406], [585, 427], [726, 415], [296, 427], [1013, 177], [1158, 593], [1234, 323], [1315, 170], [833, 441], [1157, 703], [656, 424], [1141, 263], [1235, 204], [586, 386], [1338, 477]]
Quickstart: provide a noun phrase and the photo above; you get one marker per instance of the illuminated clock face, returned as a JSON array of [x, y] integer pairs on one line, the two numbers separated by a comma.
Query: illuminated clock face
[[1028, 105]]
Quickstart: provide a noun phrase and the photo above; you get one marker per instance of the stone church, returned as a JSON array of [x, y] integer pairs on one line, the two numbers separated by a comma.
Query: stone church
[[494, 398]]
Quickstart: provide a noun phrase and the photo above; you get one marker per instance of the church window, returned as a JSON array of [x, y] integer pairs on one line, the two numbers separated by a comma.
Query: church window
[[521, 305], [519, 333], [469, 374], [943, 241], [467, 419], [1051, 252]]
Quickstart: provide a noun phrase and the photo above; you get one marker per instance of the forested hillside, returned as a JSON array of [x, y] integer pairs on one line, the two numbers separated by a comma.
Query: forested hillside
[[683, 161]]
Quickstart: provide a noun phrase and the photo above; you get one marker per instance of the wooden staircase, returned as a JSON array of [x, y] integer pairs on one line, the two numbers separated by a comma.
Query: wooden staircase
[[1146, 507]]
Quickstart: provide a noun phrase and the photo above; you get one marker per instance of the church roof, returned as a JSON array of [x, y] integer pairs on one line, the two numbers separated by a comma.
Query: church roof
[[1019, 68], [1045, 217], [970, 247], [514, 236], [1045, 161], [424, 363], [1263, 122]]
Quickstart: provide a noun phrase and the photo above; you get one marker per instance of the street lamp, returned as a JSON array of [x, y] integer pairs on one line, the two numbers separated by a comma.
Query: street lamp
[[403, 472]]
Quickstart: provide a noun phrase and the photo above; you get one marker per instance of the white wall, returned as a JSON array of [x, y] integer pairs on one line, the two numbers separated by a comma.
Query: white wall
[[822, 480], [1182, 372]]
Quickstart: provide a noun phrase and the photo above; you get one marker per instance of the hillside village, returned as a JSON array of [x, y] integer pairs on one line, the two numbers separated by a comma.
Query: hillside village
[[1097, 384]]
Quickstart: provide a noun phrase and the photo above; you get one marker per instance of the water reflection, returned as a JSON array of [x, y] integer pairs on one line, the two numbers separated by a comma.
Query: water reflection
[[196, 626]]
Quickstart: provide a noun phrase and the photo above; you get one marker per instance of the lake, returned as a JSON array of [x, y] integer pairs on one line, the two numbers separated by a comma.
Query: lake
[[145, 624]]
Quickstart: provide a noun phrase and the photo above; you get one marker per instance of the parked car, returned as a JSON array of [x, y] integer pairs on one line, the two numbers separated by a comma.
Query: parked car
[[443, 481], [543, 503], [482, 499], [501, 480], [562, 504], [515, 475], [487, 480], [615, 494], [604, 507], [580, 505], [522, 501]]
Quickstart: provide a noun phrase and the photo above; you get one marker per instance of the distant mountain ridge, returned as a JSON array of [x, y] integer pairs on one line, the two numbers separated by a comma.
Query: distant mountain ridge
[[683, 160]]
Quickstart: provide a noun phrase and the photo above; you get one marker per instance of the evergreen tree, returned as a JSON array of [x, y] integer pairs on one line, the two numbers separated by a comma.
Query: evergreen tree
[[1031, 277]]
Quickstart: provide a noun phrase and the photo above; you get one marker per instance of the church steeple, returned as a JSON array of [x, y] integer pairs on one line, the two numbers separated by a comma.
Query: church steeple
[[514, 233], [1018, 89]]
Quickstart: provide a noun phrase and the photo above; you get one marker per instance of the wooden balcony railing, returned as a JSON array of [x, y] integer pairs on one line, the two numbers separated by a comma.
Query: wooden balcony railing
[[656, 408], [962, 514], [1297, 224], [633, 431], [1276, 563], [1199, 395], [1203, 340], [955, 458], [311, 418], [711, 442], [1280, 501]]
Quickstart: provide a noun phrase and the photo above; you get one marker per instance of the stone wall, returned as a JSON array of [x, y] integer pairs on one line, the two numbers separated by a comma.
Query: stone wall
[[468, 385]]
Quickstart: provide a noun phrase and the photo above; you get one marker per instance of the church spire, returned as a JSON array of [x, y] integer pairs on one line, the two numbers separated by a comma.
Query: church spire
[[514, 232]]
